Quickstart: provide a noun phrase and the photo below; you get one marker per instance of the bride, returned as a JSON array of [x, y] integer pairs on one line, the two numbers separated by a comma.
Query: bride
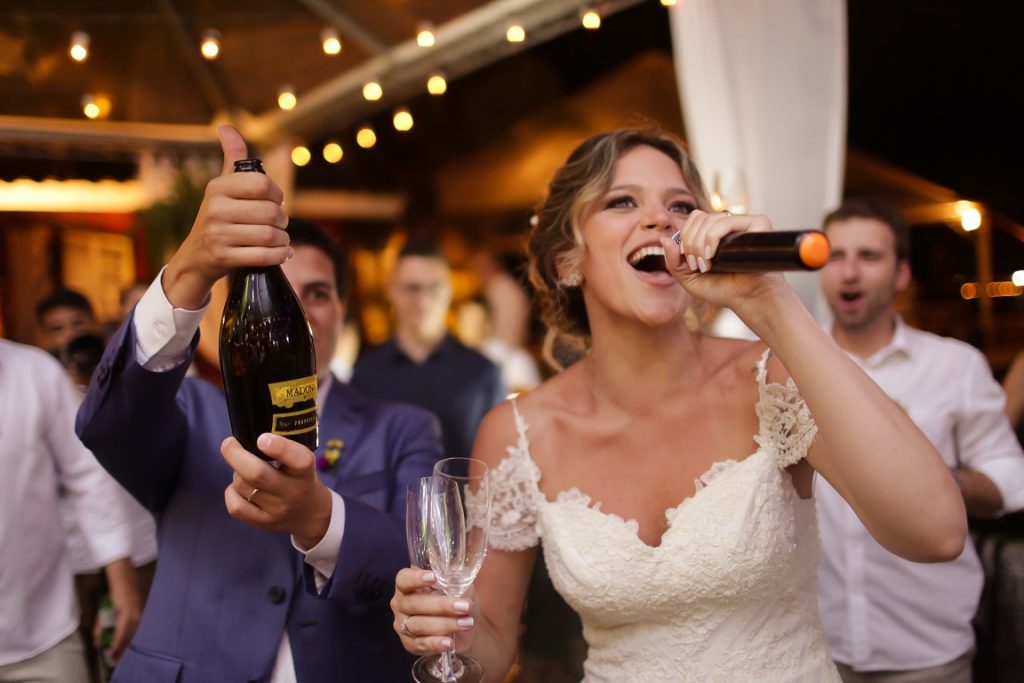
[[667, 474]]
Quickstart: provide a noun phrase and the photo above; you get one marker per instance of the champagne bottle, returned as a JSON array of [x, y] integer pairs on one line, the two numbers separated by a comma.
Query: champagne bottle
[[267, 359]]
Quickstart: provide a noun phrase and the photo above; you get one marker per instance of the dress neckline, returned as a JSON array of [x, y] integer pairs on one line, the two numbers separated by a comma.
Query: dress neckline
[[574, 496], [767, 447]]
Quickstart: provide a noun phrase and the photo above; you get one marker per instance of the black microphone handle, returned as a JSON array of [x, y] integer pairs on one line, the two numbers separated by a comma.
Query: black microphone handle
[[754, 252]]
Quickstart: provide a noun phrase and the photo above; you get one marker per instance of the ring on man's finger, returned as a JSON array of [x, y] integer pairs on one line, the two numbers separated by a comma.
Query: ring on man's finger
[[404, 628], [248, 499]]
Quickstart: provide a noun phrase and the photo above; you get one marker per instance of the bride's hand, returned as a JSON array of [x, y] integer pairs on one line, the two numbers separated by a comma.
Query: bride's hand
[[692, 261], [426, 621]]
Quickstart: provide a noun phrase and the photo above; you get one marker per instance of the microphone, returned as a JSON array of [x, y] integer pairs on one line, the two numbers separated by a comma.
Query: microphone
[[756, 252]]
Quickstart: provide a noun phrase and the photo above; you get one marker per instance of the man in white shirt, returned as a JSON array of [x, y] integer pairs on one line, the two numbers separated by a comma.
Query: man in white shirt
[[888, 619], [39, 452]]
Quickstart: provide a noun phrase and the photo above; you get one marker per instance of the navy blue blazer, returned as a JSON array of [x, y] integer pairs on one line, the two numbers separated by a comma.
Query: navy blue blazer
[[224, 592]]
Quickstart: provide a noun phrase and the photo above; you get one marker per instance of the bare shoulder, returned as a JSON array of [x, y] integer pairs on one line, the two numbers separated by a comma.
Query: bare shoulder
[[737, 358], [496, 433], [537, 408]]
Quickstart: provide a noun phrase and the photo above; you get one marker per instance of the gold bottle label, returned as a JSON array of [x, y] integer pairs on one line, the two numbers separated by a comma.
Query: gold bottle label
[[299, 422], [287, 394]]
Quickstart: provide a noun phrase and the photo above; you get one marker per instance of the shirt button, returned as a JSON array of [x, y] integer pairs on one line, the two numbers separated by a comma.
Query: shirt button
[[161, 329], [276, 594]]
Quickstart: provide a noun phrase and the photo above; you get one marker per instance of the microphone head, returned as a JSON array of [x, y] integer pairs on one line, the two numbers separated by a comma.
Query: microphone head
[[814, 249]]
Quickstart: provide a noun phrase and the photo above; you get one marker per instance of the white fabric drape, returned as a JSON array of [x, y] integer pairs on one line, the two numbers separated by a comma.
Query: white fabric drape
[[763, 87]]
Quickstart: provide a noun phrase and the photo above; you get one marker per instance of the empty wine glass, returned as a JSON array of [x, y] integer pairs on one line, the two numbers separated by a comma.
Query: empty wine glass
[[457, 523], [417, 499]]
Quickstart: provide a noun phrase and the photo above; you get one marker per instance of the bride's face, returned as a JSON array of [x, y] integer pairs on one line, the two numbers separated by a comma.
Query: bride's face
[[624, 229]]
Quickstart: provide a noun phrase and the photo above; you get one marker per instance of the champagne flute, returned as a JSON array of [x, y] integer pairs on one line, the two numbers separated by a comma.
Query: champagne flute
[[458, 519], [417, 499]]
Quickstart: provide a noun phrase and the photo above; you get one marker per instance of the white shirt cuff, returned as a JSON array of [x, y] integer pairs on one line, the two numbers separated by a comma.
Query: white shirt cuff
[[324, 555], [163, 333], [1007, 473]]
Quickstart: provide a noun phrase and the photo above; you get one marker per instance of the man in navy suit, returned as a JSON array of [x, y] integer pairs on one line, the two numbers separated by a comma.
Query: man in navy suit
[[265, 574]]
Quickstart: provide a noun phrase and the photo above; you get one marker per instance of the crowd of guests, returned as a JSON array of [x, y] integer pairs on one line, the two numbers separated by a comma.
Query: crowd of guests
[[851, 451]]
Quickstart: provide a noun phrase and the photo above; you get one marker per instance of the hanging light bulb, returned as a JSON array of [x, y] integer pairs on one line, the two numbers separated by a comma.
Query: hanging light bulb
[[365, 137], [95, 106], [79, 47], [590, 19], [402, 119], [436, 84], [425, 34], [286, 98], [515, 33], [89, 107], [970, 216], [372, 91], [301, 155], [331, 41], [333, 152], [210, 44]]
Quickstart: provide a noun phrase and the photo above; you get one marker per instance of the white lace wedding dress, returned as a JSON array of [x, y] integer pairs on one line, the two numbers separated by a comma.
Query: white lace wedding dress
[[728, 595]]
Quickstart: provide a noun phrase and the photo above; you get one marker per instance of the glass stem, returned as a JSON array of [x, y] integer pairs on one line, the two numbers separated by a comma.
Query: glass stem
[[447, 670]]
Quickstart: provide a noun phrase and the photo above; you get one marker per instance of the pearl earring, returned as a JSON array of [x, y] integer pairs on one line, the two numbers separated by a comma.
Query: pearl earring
[[573, 279]]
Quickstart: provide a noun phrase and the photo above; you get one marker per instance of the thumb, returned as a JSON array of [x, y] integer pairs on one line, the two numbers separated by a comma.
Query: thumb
[[290, 454], [233, 145]]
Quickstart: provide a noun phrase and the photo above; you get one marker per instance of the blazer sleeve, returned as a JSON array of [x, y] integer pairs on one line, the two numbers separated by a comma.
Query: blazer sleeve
[[373, 547], [131, 420]]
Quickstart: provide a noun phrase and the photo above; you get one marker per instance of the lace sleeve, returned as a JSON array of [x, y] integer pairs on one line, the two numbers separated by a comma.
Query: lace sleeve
[[514, 493], [786, 428]]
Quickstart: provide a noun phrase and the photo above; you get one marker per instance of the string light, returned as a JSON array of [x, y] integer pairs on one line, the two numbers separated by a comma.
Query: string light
[[331, 41], [425, 34], [1017, 278], [79, 48], [365, 137], [333, 152], [372, 91], [402, 119], [515, 33], [970, 216], [95, 106], [210, 44], [301, 155], [437, 85], [590, 19], [286, 98], [668, 3]]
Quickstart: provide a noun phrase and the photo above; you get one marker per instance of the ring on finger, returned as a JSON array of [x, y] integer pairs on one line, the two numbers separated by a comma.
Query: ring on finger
[[248, 499], [404, 628], [727, 212]]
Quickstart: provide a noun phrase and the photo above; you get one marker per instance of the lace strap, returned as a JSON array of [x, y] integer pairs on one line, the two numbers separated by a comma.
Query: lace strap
[[515, 494], [786, 428]]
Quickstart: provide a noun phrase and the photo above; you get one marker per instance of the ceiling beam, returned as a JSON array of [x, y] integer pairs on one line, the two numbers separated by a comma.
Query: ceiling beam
[[348, 27], [81, 133]]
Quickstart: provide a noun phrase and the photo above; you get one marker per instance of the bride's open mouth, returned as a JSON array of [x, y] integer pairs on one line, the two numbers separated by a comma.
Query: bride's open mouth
[[649, 259]]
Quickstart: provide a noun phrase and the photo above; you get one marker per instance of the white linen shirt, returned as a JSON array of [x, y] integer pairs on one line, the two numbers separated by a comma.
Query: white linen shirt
[[162, 338], [882, 612], [39, 451]]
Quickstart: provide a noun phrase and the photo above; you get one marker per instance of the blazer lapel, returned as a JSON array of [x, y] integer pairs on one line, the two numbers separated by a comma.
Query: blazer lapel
[[341, 426]]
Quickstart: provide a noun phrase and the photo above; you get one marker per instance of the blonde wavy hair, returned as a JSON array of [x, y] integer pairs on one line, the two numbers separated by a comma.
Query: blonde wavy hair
[[555, 244]]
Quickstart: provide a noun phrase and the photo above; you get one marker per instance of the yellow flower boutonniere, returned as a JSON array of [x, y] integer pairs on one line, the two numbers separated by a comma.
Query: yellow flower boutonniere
[[332, 454]]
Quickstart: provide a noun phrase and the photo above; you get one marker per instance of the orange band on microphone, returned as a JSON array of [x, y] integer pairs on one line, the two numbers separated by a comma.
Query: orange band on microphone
[[814, 249]]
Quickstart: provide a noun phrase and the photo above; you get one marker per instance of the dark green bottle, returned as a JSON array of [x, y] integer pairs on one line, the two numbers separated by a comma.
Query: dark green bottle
[[267, 358]]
